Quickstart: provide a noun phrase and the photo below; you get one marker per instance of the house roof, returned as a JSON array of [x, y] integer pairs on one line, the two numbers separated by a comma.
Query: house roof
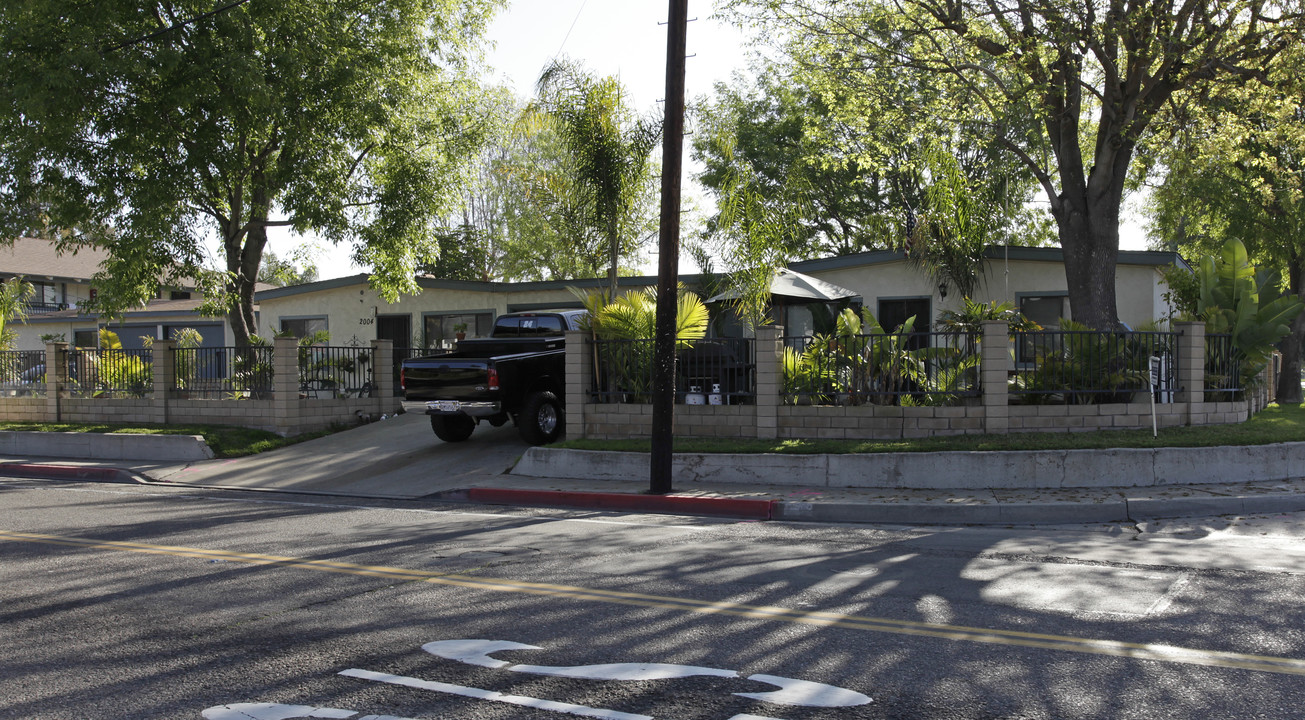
[[872, 257], [39, 259], [432, 283], [996, 252]]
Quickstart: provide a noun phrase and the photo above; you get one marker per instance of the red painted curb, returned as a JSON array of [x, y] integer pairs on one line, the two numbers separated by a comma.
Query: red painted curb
[[728, 507], [67, 472]]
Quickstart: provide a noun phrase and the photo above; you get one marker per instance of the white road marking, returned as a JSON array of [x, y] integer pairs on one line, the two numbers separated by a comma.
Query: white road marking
[[273, 711], [494, 696], [805, 693], [474, 652], [791, 691]]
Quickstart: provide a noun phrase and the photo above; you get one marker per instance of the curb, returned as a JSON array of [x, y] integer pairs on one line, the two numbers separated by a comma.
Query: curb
[[105, 446], [673, 504], [69, 472], [947, 470]]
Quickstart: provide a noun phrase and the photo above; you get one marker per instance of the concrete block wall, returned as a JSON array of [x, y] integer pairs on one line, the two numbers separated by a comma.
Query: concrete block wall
[[23, 409], [989, 413], [285, 413]]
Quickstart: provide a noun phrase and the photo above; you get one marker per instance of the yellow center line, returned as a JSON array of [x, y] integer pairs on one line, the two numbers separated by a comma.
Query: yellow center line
[[1015, 638]]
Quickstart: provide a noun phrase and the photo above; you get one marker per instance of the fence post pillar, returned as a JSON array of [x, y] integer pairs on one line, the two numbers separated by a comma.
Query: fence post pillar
[[163, 362], [382, 374], [994, 368], [56, 376], [285, 385], [770, 379], [579, 379], [1191, 366]]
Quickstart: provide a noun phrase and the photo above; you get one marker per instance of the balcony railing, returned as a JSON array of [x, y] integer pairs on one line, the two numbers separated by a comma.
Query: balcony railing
[[45, 308]]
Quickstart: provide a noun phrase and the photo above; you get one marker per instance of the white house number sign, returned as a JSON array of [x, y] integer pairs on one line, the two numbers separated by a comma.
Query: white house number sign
[[788, 691]]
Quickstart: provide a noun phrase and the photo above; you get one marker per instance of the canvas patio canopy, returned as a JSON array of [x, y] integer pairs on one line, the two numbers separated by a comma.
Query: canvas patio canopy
[[791, 284]]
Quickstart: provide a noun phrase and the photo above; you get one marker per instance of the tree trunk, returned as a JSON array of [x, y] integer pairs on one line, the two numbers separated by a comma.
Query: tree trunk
[[1289, 390], [244, 252], [1089, 238]]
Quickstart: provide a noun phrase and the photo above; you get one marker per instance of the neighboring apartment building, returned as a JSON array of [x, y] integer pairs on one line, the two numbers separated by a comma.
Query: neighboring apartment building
[[63, 282]]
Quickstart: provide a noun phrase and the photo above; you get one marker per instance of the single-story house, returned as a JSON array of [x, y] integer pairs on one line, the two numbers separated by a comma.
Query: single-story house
[[884, 281]]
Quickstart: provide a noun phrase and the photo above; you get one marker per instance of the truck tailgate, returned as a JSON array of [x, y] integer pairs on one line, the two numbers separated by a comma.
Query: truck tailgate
[[434, 378]]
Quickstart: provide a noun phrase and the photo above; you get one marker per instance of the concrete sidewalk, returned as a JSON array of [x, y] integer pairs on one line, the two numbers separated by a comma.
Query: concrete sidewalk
[[400, 459]]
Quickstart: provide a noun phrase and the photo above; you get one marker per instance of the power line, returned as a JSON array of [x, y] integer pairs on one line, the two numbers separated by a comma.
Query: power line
[[568, 30], [182, 24]]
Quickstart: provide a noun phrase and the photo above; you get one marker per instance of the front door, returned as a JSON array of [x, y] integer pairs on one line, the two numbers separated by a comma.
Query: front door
[[398, 330]]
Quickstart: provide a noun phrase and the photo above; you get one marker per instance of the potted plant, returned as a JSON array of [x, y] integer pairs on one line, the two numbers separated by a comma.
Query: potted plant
[[460, 331]]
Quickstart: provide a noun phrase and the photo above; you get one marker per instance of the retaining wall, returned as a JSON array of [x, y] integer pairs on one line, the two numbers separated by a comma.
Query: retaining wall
[[1043, 469]]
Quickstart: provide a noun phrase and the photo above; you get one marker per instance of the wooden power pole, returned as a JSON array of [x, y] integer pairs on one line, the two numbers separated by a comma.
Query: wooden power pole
[[668, 248]]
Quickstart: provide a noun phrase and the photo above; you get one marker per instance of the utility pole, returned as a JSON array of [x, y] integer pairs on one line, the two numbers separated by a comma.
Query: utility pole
[[668, 248]]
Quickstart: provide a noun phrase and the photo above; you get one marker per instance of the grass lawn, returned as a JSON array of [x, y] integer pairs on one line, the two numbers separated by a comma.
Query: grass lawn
[[1275, 424], [226, 441]]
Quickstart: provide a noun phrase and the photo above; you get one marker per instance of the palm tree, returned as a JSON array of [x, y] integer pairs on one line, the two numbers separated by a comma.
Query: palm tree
[[14, 296], [611, 145]]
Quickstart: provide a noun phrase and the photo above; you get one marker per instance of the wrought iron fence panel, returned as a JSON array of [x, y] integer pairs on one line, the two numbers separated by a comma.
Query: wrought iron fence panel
[[1223, 368], [924, 368], [401, 354], [220, 373], [708, 371], [22, 372], [110, 373], [332, 372], [1081, 367]]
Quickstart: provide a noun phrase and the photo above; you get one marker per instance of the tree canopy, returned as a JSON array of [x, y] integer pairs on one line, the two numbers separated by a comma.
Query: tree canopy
[[608, 144], [148, 128], [1233, 169], [1068, 88]]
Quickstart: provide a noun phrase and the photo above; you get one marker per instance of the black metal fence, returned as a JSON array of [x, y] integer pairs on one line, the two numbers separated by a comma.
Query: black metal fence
[[924, 368], [22, 372], [1082, 367], [334, 372], [1223, 368], [110, 373], [218, 373], [721, 371]]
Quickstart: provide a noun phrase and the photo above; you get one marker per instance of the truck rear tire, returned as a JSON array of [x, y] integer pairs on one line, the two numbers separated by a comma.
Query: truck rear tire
[[541, 420], [452, 428]]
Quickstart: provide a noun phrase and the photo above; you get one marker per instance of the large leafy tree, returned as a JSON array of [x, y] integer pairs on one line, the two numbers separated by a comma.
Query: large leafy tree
[[765, 135], [803, 169], [610, 146], [147, 128], [1069, 88], [1233, 168]]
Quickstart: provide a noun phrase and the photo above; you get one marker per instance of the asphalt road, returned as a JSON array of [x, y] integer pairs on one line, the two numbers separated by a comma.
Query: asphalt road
[[121, 601]]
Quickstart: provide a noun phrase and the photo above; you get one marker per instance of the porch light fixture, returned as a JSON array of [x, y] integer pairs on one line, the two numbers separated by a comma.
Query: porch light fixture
[[942, 291]]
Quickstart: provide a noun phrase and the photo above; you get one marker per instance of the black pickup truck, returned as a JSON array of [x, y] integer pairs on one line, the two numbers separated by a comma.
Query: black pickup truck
[[516, 373]]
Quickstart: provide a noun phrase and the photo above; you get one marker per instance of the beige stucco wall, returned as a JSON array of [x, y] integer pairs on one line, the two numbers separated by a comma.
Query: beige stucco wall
[[1138, 288], [351, 310]]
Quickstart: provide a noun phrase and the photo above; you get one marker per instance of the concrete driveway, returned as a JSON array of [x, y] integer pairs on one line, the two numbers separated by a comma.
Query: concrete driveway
[[396, 457]]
